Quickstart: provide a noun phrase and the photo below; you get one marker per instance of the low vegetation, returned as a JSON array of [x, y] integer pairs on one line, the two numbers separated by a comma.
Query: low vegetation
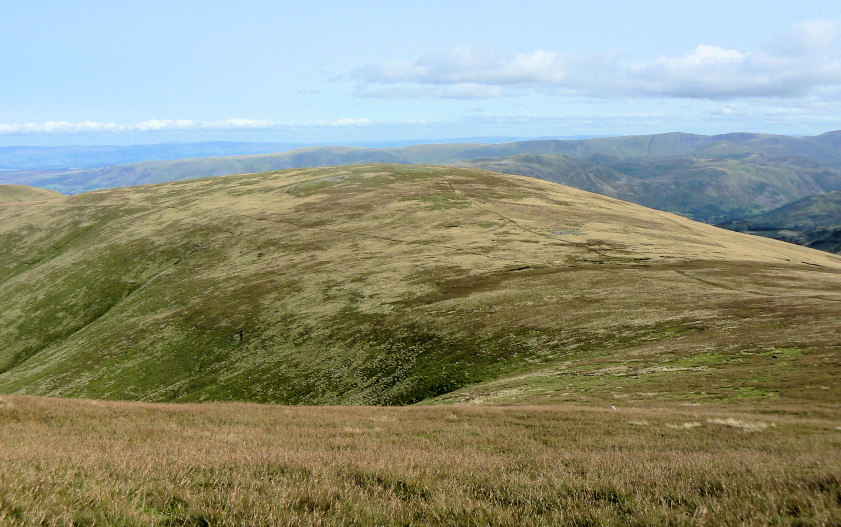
[[395, 284], [75, 462], [24, 194]]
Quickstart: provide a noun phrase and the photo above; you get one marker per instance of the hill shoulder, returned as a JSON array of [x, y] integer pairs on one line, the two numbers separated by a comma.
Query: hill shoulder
[[24, 193]]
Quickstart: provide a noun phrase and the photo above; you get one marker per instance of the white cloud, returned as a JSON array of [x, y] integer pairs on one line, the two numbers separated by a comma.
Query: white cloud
[[157, 125], [469, 67], [803, 60], [810, 36], [345, 122], [453, 91]]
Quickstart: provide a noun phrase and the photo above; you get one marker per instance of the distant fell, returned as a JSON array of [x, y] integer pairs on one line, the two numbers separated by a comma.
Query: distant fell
[[814, 221], [820, 148]]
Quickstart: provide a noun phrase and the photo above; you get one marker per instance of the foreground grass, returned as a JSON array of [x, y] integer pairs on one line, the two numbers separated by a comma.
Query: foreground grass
[[74, 462]]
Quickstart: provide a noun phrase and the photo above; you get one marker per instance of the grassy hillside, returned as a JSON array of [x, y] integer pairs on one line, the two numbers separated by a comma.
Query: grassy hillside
[[24, 193], [576, 173], [807, 213], [814, 221], [707, 189], [714, 179], [395, 284], [69, 462]]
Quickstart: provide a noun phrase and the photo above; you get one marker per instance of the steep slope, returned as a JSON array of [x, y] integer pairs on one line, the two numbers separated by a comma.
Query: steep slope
[[393, 284], [25, 193], [830, 143], [717, 189], [814, 221]]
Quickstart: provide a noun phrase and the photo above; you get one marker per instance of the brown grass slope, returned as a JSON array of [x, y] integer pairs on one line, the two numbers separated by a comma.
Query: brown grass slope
[[25, 193], [395, 284], [69, 462]]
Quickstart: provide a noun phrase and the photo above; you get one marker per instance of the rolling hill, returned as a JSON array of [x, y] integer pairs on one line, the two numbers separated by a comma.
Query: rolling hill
[[25, 193], [396, 284], [714, 179]]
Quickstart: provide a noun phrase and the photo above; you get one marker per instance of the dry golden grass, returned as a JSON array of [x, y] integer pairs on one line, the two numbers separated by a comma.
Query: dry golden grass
[[78, 462], [24, 194]]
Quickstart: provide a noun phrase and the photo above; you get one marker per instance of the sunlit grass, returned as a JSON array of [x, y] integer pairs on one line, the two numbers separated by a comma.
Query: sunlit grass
[[71, 462]]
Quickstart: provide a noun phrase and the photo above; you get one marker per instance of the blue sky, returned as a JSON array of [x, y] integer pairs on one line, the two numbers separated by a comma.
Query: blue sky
[[118, 72]]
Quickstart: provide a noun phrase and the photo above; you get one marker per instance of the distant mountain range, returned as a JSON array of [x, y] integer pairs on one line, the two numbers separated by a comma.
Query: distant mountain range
[[706, 189], [716, 179], [19, 158], [59, 158]]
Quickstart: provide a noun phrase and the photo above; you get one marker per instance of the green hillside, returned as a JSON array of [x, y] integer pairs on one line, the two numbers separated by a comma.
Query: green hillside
[[395, 284], [706, 189], [807, 213], [814, 221], [716, 189], [714, 179]]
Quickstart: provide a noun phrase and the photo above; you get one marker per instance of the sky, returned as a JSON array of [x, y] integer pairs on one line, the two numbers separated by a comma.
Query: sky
[[116, 72]]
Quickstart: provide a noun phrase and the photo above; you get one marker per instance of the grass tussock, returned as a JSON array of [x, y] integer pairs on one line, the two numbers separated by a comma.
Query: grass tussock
[[76, 462]]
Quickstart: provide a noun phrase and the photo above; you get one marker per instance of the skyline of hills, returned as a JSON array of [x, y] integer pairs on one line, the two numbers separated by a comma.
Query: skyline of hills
[[716, 179]]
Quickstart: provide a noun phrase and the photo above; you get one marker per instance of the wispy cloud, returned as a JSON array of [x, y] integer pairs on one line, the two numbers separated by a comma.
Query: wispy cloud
[[151, 125], [803, 60], [468, 66], [453, 91], [338, 123], [158, 125]]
